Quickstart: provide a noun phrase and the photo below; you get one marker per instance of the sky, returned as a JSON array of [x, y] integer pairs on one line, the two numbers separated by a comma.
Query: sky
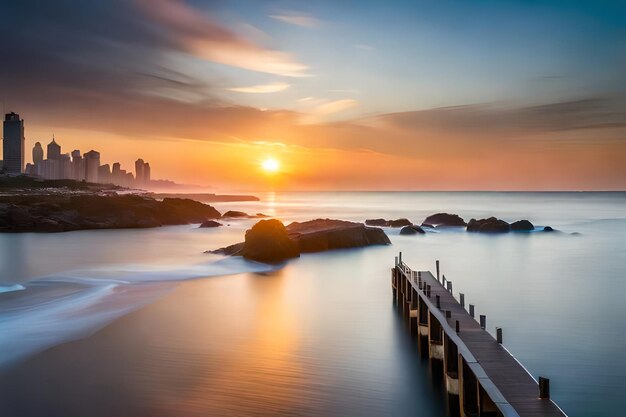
[[350, 95]]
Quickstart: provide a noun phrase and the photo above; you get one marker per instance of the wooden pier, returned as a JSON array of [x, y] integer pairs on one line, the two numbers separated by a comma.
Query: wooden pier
[[481, 377]]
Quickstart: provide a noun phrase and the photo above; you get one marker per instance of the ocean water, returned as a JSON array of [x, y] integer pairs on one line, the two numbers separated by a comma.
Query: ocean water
[[142, 322]]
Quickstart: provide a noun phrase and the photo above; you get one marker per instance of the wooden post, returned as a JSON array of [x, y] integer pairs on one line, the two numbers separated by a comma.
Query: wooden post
[[443, 280], [483, 321], [450, 286], [438, 301], [396, 261], [437, 265], [499, 334], [400, 257], [428, 290], [448, 314], [544, 388], [471, 307], [458, 326], [462, 299]]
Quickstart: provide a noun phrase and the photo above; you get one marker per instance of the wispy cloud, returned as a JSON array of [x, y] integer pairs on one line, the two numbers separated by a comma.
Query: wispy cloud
[[335, 106], [296, 18], [262, 88], [198, 34]]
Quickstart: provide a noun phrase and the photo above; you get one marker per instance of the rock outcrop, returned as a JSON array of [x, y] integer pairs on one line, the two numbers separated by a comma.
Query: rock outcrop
[[444, 219], [210, 223], [490, 225], [325, 234], [548, 229], [412, 230], [522, 226], [60, 213], [235, 213], [388, 223], [270, 241]]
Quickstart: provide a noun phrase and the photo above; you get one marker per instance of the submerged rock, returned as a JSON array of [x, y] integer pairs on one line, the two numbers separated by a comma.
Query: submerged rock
[[522, 226], [411, 230], [490, 225], [388, 223], [210, 223], [235, 213], [376, 222], [444, 219], [548, 229]]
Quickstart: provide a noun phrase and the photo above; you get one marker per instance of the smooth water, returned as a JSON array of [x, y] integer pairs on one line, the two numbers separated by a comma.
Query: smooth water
[[118, 323]]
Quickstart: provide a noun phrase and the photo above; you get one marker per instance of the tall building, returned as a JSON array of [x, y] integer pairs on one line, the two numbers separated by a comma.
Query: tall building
[[13, 144], [37, 153], [146, 173], [104, 174], [139, 170], [65, 167], [54, 150], [78, 166], [92, 163]]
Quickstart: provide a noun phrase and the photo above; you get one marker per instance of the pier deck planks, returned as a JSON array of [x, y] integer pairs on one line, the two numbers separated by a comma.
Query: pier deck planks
[[515, 384]]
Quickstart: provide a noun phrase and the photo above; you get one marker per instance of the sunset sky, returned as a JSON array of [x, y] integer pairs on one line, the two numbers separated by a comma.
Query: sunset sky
[[346, 95]]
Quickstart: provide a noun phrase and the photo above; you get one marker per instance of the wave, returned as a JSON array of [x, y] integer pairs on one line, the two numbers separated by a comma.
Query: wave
[[11, 288], [63, 307]]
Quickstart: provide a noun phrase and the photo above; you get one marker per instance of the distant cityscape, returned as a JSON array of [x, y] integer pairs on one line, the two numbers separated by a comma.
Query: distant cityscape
[[58, 165]]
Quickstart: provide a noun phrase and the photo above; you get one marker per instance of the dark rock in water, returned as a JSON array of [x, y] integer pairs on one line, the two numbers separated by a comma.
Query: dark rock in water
[[444, 219], [268, 241], [490, 225], [232, 250], [325, 234], [400, 223], [235, 213], [522, 226], [428, 225], [261, 215], [411, 230], [388, 223], [60, 212], [548, 229], [210, 223], [376, 222]]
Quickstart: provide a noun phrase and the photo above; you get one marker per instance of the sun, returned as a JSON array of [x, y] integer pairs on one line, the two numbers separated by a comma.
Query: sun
[[270, 165]]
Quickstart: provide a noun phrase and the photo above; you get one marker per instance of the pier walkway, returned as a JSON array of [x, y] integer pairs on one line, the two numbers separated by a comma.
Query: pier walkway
[[481, 377]]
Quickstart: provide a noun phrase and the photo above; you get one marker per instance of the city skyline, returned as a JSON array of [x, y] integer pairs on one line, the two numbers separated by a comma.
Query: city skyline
[[419, 95], [55, 164]]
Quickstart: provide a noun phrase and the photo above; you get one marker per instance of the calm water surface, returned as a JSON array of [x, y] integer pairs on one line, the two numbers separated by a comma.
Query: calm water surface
[[142, 322]]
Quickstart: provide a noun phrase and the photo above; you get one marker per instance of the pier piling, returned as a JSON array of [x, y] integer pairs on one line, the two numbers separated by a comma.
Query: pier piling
[[483, 321], [544, 388]]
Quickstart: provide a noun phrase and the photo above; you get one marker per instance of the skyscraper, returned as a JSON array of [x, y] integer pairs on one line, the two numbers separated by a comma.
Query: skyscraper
[[92, 163], [146, 173], [13, 144], [54, 150], [78, 166], [37, 153], [139, 170]]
